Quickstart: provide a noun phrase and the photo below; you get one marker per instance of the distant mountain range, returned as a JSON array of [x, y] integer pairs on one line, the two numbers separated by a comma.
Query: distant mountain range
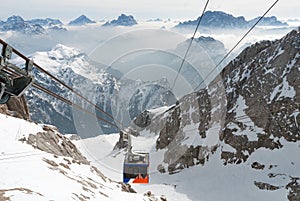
[[17, 23], [32, 27], [222, 20], [42, 26], [268, 21], [123, 20], [210, 20], [46, 22]]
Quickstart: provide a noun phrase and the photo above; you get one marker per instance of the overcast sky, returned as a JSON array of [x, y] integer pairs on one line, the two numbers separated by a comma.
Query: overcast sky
[[144, 9]]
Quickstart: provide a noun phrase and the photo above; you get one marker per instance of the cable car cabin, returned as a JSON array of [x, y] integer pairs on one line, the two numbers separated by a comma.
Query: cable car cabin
[[136, 167]]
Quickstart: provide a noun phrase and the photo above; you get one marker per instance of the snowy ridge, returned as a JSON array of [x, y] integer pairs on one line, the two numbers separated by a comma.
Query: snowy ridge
[[62, 57]]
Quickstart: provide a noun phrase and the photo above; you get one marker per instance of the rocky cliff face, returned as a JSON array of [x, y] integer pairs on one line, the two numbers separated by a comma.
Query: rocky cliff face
[[265, 80], [16, 107], [253, 104]]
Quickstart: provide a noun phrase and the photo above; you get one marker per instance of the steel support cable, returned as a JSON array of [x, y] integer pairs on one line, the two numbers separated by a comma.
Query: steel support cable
[[81, 96], [21, 156], [45, 90], [189, 46], [231, 50], [242, 117], [41, 88], [73, 91]]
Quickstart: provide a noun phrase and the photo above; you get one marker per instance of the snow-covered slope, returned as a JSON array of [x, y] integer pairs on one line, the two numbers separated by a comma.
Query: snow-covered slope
[[100, 151], [29, 173], [268, 175]]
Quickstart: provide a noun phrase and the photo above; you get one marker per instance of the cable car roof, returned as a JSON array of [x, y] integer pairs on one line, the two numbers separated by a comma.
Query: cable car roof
[[137, 158]]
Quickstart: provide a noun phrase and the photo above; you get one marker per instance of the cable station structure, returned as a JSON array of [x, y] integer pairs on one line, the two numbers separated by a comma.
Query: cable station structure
[[10, 72]]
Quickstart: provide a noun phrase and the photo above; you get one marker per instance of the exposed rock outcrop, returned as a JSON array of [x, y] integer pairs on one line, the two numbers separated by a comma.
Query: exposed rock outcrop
[[294, 189], [170, 130], [16, 107], [55, 143], [266, 186]]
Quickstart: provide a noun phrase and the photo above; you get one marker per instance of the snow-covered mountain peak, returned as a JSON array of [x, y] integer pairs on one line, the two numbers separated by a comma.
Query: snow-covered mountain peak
[[81, 20], [62, 52], [52, 60], [62, 57]]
